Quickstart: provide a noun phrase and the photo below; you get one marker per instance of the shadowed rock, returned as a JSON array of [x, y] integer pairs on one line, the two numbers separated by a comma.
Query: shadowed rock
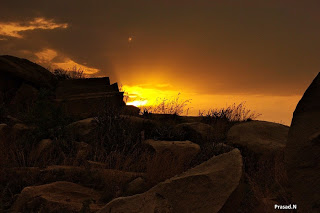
[[303, 150], [20, 81], [14, 71], [196, 131], [259, 137], [204, 188], [55, 197], [83, 130], [183, 151]]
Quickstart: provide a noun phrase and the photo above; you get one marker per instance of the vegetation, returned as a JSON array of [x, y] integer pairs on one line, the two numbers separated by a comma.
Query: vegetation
[[74, 73], [173, 106], [116, 143], [233, 113]]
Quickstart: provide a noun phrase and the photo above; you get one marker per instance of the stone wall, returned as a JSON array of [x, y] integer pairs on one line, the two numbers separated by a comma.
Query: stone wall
[[86, 97]]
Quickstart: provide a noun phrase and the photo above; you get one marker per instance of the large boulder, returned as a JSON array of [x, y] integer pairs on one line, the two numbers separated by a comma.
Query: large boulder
[[204, 188], [59, 196], [197, 132], [136, 186], [21, 70], [183, 151], [303, 150], [83, 130], [259, 137]]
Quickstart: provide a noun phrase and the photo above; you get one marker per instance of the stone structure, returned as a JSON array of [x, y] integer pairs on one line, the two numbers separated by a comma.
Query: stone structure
[[85, 97]]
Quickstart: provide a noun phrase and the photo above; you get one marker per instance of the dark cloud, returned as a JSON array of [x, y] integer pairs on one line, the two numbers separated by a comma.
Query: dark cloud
[[264, 47]]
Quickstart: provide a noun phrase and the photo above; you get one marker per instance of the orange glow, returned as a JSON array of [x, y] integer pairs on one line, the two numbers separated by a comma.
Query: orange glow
[[146, 95], [138, 103]]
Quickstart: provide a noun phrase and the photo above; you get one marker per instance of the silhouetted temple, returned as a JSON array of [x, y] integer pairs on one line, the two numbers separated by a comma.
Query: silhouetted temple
[[21, 80], [85, 97]]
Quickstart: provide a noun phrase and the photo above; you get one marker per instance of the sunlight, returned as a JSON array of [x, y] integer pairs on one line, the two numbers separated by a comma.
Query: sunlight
[[138, 103], [145, 95]]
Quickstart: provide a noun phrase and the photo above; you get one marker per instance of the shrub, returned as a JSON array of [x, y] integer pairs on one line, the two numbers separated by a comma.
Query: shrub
[[114, 133], [49, 119], [233, 113], [173, 106], [74, 73]]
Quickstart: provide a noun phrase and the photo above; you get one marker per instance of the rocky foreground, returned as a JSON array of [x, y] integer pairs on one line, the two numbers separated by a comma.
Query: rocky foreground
[[114, 160]]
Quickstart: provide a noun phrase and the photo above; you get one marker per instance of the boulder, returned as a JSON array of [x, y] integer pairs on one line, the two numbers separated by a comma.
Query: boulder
[[302, 152], [259, 137], [138, 122], [204, 188], [136, 186], [59, 196], [24, 71], [83, 151], [42, 146], [197, 132], [83, 130], [183, 151]]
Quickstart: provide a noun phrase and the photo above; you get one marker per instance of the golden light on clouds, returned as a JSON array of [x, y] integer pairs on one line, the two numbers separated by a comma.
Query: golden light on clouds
[[47, 56], [14, 29]]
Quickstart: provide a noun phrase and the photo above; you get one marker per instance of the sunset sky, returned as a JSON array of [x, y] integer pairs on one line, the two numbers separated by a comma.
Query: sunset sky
[[213, 52]]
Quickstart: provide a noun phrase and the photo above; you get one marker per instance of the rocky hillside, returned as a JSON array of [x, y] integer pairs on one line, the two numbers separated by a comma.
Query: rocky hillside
[[66, 146]]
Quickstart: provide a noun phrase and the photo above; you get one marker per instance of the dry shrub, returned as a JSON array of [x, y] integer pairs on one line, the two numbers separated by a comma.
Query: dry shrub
[[73, 73], [171, 106], [233, 113]]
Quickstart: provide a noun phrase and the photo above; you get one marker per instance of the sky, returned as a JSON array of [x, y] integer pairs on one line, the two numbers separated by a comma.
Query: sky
[[212, 52]]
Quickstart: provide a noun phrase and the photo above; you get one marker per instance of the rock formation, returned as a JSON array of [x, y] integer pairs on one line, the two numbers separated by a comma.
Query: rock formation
[[182, 151], [259, 137], [204, 188], [303, 150], [60, 196]]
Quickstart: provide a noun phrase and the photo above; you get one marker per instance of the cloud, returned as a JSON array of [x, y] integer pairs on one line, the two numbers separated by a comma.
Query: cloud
[[14, 29], [213, 47], [47, 58]]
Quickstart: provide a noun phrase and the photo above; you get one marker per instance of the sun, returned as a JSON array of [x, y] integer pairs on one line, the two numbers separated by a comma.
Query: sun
[[138, 103]]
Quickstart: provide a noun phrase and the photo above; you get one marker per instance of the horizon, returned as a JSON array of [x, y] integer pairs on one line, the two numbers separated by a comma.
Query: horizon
[[264, 53]]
